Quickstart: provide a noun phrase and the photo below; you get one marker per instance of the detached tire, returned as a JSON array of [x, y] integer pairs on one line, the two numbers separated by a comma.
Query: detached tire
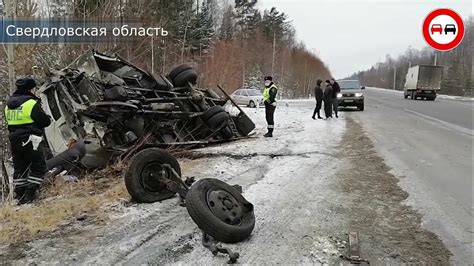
[[185, 77], [220, 210], [144, 174], [177, 70]]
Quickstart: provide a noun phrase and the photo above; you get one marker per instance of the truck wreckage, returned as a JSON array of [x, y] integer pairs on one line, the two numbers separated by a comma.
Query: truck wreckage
[[113, 106], [104, 108]]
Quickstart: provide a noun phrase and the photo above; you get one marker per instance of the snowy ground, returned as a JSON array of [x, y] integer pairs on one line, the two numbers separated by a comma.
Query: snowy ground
[[300, 183]]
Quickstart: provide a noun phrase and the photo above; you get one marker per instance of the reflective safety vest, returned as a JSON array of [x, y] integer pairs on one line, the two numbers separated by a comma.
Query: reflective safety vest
[[20, 115], [266, 92]]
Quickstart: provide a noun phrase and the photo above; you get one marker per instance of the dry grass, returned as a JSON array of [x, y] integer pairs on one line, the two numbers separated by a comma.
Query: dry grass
[[62, 204]]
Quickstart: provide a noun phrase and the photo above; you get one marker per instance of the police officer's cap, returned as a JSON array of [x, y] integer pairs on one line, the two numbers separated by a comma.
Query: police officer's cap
[[270, 78], [25, 83]]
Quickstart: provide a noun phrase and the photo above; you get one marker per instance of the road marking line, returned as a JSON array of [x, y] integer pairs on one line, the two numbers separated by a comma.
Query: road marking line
[[460, 129]]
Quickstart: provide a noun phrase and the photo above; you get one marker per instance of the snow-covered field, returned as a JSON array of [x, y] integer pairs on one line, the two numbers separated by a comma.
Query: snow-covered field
[[312, 184], [287, 178]]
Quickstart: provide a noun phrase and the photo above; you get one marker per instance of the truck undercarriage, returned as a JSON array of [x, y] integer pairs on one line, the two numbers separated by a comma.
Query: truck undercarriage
[[116, 108]]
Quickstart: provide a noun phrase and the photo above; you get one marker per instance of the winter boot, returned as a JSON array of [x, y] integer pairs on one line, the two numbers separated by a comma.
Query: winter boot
[[29, 196], [269, 133], [19, 193], [319, 116]]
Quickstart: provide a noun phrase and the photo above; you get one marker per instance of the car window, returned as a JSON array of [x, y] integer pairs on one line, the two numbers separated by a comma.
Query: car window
[[254, 93], [237, 92], [244, 93], [349, 84]]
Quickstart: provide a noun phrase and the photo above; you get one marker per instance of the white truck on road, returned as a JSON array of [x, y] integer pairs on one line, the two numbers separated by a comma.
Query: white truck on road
[[423, 81]]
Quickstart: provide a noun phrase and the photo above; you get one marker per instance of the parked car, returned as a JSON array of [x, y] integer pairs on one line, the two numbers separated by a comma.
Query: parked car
[[351, 94], [450, 28], [248, 97], [436, 28], [116, 108]]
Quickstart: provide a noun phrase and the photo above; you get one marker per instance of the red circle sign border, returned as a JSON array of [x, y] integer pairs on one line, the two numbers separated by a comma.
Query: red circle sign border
[[446, 46]]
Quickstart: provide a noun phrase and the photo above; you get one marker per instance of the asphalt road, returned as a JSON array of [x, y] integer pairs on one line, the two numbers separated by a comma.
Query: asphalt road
[[429, 146]]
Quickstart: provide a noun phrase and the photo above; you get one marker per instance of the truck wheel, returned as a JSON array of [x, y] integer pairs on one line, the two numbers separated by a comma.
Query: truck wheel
[[405, 95], [252, 104], [220, 210], [218, 121], [361, 107], [211, 112], [177, 70], [144, 175], [185, 77], [227, 133]]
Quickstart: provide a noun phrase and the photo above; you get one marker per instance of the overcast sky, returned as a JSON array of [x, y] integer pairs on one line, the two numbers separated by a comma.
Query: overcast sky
[[352, 35]]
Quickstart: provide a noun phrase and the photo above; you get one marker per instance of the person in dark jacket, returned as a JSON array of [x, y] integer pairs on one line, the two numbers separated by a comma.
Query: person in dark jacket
[[327, 98], [318, 94], [26, 121], [335, 91], [269, 100]]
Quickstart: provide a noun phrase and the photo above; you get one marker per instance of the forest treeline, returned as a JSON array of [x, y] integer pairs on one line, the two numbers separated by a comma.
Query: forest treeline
[[457, 67], [232, 43]]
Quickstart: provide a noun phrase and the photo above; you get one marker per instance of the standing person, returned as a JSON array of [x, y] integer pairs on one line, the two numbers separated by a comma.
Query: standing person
[[335, 91], [269, 100], [26, 121], [327, 98], [318, 94]]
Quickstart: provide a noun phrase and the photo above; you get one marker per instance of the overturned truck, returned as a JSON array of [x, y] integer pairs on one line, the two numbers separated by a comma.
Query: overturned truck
[[114, 108], [103, 108]]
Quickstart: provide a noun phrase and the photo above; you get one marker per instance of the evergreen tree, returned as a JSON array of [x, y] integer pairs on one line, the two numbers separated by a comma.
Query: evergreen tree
[[254, 79], [202, 29], [226, 31], [275, 24]]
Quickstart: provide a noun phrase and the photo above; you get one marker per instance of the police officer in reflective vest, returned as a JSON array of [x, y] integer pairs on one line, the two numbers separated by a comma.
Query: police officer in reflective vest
[[26, 121], [269, 100]]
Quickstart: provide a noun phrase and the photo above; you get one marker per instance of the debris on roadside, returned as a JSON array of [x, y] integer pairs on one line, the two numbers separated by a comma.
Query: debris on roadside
[[354, 255], [215, 248]]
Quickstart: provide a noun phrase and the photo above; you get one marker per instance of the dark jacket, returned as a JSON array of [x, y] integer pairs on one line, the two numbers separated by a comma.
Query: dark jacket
[[40, 118], [318, 93], [335, 89], [328, 92]]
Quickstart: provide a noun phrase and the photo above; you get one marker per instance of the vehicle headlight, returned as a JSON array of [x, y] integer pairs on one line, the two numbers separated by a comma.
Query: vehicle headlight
[[359, 94], [339, 95]]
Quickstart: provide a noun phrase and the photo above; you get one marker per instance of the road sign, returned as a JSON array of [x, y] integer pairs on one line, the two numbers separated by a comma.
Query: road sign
[[443, 29]]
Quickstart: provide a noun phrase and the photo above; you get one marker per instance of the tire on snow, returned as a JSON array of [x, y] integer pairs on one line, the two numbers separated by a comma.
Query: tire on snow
[[145, 188], [202, 209], [227, 133]]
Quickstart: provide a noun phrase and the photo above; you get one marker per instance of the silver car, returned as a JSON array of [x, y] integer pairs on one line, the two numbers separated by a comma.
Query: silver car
[[248, 97]]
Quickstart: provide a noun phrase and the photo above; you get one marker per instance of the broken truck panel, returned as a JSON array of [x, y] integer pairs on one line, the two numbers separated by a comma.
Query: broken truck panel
[[113, 106]]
